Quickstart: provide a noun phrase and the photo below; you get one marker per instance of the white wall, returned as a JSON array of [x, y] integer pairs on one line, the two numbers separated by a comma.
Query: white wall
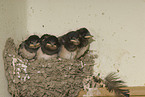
[[13, 24], [117, 25]]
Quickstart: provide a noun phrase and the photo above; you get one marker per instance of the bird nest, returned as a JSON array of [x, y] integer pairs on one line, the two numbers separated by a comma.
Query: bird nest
[[45, 78]]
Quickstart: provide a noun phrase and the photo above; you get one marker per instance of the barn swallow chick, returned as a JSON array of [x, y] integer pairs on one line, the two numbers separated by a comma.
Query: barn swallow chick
[[29, 47], [84, 38], [49, 47], [69, 43]]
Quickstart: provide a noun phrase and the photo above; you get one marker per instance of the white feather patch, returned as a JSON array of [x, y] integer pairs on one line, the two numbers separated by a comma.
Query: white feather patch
[[81, 51], [64, 53], [41, 55], [24, 53]]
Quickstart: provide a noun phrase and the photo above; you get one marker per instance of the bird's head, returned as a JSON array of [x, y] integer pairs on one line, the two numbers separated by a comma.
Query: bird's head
[[33, 42], [50, 42], [84, 33], [73, 37]]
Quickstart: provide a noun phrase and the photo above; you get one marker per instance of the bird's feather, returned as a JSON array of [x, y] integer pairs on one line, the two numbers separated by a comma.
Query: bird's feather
[[113, 83], [50, 47], [41, 55], [64, 53], [24, 53]]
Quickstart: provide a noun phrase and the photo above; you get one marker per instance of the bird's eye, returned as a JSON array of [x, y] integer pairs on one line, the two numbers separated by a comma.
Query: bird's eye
[[70, 38]]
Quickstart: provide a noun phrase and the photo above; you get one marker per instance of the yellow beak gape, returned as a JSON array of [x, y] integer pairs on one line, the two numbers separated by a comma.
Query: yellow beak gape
[[38, 44], [54, 46], [48, 44], [33, 46], [74, 41], [88, 36]]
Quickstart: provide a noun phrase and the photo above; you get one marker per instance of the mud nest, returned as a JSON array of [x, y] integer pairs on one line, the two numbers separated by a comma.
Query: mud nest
[[45, 78]]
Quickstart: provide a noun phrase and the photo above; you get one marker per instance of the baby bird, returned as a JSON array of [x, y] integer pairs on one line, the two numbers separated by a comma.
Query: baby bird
[[69, 45], [84, 37], [49, 47], [29, 47]]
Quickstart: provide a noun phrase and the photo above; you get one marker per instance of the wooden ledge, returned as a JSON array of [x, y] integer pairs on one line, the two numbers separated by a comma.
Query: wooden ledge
[[134, 92]]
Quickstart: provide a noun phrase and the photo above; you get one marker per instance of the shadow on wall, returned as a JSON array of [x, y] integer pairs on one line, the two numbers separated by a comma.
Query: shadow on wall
[[13, 17]]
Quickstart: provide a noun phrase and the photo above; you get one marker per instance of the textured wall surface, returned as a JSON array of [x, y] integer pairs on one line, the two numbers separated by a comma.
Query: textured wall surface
[[12, 24], [118, 27]]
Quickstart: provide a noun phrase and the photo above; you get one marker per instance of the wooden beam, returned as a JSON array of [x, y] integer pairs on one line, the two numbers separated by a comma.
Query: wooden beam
[[137, 90], [134, 92]]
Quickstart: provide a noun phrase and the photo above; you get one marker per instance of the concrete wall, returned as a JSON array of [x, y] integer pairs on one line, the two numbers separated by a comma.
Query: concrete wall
[[13, 23], [118, 27]]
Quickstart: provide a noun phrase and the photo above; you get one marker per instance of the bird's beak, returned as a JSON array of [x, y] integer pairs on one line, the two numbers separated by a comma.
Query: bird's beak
[[54, 46], [31, 45], [51, 46], [48, 44], [89, 36], [75, 41], [35, 45]]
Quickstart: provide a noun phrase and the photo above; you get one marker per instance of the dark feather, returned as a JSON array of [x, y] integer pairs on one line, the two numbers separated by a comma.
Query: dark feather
[[113, 83]]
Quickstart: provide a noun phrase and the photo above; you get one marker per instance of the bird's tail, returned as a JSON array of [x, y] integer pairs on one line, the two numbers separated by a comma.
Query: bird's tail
[[113, 84]]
